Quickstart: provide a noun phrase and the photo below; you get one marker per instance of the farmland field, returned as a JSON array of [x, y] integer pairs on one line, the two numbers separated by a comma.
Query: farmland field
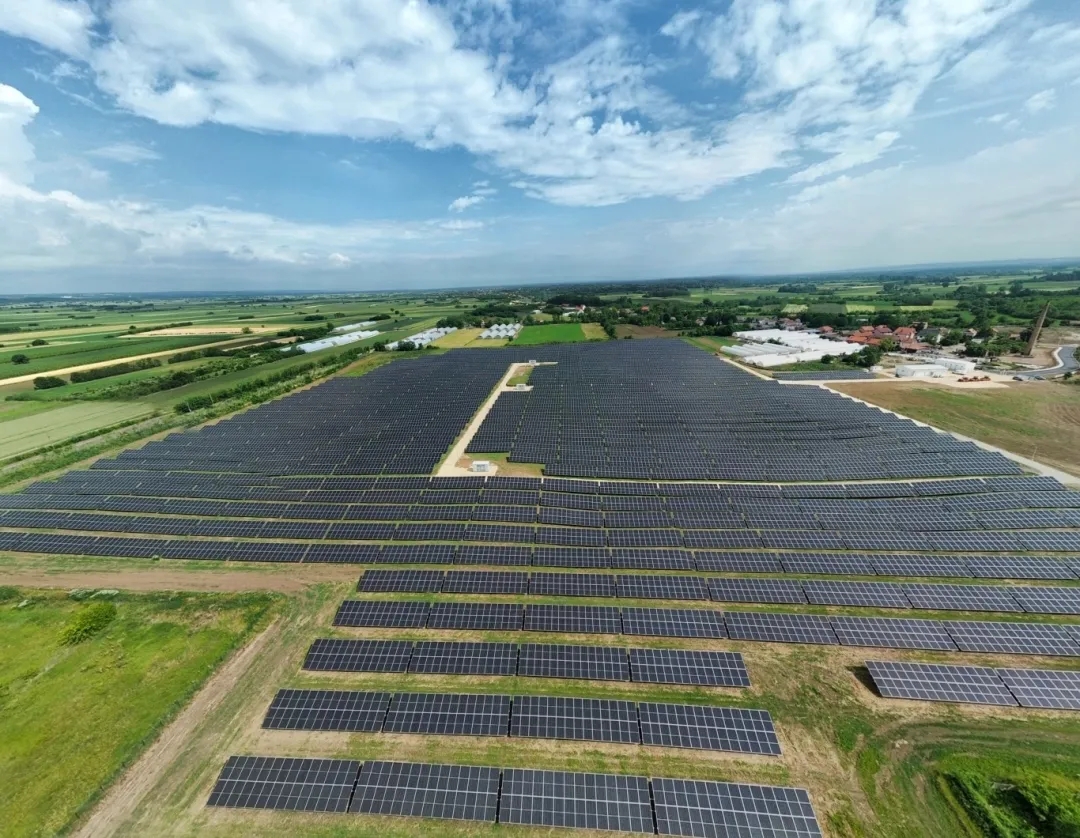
[[75, 714], [28, 433], [554, 333]]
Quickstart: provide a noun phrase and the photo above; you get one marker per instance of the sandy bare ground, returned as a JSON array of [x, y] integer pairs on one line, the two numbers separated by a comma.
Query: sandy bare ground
[[295, 580], [19, 379], [125, 795]]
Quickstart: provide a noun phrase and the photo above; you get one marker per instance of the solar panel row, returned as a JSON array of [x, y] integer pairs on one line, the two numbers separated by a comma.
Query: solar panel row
[[516, 795], [661, 666], [1018, 638], [1045, 688], [542, 717], [1044, 599]]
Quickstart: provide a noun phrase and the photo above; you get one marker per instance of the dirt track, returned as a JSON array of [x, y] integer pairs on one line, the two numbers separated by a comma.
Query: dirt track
[[125, 795], [176, 580]]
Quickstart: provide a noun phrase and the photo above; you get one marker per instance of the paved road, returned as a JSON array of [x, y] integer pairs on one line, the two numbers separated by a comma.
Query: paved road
[[1066, 362]]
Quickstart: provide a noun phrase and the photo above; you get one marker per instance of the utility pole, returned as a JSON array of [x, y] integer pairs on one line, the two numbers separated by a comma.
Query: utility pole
[[1037, 330]]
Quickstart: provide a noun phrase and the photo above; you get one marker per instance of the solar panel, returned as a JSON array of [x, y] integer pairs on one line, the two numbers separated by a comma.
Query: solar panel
[[592, 719], [639, 586], [673, 622], [572, 584], [1048, 600], [485, 582], [456, 792], [1013, 638], [894, 633], [401, 581], [308, 785], [476, 616], [582, 801], [708, 728], [702, 808], [785, 591], [780, 628], [939, 682], [334, 655], [448, 714], [573, 619], [961, 598], [431, 657], [326, 710], [354, 612], [872, 594], [593, 663], [1050, 688], [678, 666]]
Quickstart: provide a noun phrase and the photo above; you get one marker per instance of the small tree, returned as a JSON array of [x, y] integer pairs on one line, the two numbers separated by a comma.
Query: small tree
[[20, 358], [39, 342]]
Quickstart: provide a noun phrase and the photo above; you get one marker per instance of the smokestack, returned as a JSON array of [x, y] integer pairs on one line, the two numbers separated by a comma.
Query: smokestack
[[1037, 331]]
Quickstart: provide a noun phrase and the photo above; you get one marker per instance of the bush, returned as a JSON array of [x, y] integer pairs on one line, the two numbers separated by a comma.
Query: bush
[[87, 622], [8, 592], [20, 358], [39, 342], [48, 382]]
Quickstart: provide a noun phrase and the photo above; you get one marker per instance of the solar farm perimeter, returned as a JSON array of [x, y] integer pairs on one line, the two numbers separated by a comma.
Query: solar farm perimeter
[[730, 607]]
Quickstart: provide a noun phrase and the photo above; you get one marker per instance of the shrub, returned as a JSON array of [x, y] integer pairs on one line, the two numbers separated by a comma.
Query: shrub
[[39, 342], [48, 382], [20, 358], [86, 622]]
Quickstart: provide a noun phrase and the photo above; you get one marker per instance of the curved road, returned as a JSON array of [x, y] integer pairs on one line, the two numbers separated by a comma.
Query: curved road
[[1066, 362]]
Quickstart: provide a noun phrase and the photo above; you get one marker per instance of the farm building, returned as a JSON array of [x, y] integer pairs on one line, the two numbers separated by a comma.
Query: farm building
[[921, 371]]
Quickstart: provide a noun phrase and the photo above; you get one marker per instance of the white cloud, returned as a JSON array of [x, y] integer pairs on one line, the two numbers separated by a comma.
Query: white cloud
[[581, 125], [59, 229], [125, 152], [16, 152], [1042, 101], [460, 224], [61, 25], [463, 203]]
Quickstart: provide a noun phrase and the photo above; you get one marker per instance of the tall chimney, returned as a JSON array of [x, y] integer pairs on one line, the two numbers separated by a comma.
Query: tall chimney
[[1037, 331]]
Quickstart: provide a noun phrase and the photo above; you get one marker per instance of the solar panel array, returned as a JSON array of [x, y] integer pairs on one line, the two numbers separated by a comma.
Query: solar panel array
[[539, 717], [615, 802], [1044, 688], [602, 663]]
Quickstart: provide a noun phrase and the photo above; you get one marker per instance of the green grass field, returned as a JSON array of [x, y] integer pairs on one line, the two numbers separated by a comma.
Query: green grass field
[[91, 350], [27, 433], [554, 333], [74, 715], [1040, 420]]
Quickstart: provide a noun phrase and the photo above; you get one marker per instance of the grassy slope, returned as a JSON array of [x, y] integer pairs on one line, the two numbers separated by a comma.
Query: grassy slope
[[1037, 420], [73, 716]]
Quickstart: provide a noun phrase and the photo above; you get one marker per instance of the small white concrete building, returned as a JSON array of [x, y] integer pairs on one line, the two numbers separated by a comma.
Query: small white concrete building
[[957, 365], [921, 371], [482, 466]]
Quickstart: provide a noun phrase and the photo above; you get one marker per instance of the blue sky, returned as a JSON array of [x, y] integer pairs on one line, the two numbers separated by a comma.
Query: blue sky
[[352, 144]]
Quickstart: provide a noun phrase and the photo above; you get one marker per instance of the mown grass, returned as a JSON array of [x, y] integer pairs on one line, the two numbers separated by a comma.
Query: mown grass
[[75, 715], [1040, 420], [553, 333]]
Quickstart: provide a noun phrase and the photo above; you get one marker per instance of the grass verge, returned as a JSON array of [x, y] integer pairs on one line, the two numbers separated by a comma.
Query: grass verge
[[75, 715]]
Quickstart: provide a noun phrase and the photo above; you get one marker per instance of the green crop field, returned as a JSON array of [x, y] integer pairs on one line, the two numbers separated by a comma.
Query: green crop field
[[24, 434], [75, 714], [554, 333]]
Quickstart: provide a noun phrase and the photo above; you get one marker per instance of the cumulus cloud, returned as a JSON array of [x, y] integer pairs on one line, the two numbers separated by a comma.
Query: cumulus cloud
[[463, 203], [62, 25], [587, 125], [16, 152]]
